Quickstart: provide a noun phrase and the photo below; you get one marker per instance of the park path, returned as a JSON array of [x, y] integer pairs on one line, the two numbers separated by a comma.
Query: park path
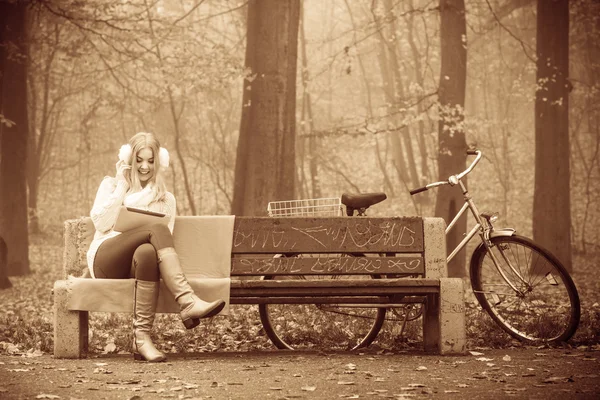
[[528, 373]]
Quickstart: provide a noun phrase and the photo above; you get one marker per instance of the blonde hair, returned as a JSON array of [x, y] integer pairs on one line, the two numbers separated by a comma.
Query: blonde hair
[[138, 142]]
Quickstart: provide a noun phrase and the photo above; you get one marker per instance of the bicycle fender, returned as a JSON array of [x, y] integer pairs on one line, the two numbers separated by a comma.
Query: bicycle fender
[[502, 232]]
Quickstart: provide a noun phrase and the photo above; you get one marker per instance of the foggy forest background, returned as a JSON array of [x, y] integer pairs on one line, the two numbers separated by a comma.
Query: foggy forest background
[[366, 103]]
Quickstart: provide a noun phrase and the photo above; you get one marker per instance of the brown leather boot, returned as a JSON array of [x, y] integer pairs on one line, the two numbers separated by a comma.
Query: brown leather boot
[[191, 307], [144, 310]]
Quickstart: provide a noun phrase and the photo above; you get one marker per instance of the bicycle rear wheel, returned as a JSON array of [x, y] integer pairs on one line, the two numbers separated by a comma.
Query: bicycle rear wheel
[[321, 326], [544, 309]]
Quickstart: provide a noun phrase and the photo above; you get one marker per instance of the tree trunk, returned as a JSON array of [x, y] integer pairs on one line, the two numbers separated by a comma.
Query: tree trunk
[[422, 132], [391, 88], [551, 199], [308, 125], [451, 137], [13, 162], [4, 281], [368, 94], [394, 54], [265, 164]]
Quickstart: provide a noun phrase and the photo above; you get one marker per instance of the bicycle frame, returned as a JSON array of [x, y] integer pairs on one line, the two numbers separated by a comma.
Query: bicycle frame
[[468, 205], [483, 226]]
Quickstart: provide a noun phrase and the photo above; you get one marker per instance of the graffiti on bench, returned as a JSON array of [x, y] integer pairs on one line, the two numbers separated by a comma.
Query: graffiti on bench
[[306, 265], [332, 235]]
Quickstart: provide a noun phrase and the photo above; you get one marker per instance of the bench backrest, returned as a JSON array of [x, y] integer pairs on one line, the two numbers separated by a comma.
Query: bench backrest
[[395, 245]]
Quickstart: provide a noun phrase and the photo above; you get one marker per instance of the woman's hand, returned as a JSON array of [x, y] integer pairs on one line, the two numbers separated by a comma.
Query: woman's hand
[[121, 168]]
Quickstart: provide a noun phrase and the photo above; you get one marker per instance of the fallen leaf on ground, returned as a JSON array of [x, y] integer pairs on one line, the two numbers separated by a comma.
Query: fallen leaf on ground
[[34, 353], [110, 348], [102, 371], [190, 386], [558, 379]]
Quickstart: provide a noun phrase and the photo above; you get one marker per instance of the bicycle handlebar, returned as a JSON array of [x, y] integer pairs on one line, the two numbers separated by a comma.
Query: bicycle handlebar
[[419, 190], [452, 180]]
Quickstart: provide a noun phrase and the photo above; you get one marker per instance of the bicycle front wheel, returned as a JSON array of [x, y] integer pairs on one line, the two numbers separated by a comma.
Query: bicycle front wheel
[[544, 308], [321, 325]]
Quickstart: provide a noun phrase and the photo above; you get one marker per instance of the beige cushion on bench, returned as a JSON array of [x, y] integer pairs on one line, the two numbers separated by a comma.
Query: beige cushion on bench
[[116, 295], [203, 244]]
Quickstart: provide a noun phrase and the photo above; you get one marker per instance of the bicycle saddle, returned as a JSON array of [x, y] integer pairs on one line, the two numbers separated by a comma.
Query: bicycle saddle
[[362, 200]]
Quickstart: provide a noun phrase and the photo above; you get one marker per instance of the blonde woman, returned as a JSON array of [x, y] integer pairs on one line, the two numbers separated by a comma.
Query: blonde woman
[[144, 253]]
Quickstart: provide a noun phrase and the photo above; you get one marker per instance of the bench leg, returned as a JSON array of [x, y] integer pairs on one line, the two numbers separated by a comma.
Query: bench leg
[[431, 323], [70, 327], [452, 316]]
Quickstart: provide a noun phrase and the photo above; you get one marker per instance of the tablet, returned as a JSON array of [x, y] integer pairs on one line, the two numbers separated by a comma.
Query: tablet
[[131, 218]]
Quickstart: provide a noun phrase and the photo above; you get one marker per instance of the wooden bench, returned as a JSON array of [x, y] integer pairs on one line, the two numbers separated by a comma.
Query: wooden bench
[[389, 248]]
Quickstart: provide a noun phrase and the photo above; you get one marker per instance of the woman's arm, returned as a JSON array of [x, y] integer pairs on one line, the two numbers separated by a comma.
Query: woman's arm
[[170, 207], [109, 199]]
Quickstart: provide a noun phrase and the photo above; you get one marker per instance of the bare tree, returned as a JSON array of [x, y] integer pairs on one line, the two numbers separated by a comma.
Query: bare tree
[[308, 123], [551, 198], [265, 164], [4, 281], [13, 161], [451, 136]]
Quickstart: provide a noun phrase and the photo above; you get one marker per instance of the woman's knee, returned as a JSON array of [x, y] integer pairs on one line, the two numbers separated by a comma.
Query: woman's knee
[[145, 263], [160, 236], [160, 228]]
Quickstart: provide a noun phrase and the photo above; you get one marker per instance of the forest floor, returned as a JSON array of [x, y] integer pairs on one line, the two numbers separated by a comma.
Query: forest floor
[[524, 373], [231, 358]]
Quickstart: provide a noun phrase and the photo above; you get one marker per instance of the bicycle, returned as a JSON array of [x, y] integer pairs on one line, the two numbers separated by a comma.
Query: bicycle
[[522, 286], [519, 284]]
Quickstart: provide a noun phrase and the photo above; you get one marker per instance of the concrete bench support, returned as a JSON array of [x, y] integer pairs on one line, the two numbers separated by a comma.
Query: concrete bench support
[[70, 327], [452, 316]]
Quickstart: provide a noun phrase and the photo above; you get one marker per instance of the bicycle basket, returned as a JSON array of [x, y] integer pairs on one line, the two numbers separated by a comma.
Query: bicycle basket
[[306, 207]]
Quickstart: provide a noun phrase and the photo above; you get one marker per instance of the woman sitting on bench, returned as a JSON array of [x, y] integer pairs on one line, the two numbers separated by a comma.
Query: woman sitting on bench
[[145, 253]]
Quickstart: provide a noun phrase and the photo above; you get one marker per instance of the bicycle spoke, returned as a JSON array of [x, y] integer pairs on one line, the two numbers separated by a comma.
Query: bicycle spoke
[[546, 305]]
